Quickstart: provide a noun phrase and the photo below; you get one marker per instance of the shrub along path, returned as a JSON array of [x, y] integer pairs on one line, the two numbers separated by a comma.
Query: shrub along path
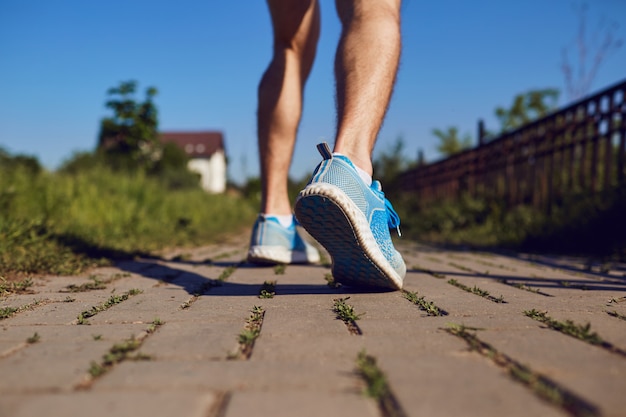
[[199, 333]]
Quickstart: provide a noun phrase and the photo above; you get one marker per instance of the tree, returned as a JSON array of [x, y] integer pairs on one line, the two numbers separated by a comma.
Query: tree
[[527, 107], [389, 163], [130, 137], [26, 162], [449, 141], [579, 77]]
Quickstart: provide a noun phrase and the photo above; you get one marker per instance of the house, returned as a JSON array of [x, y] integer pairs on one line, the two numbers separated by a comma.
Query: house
[[207, 156]]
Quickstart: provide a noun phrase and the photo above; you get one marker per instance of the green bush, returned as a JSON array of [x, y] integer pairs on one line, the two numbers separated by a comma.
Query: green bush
[[70, 220], [583, 225]]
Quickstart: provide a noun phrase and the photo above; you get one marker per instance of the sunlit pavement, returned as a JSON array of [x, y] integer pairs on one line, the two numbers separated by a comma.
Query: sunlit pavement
[[473, 334]]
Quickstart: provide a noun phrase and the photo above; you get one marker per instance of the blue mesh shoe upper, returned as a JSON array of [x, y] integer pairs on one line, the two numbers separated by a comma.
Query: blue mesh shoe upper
[[329, 209]]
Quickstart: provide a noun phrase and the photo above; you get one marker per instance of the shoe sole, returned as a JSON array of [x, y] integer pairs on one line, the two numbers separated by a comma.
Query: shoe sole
[[332, 218]]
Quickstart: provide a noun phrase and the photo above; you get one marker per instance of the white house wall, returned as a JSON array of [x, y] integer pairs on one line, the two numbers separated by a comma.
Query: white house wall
[[212, 172]]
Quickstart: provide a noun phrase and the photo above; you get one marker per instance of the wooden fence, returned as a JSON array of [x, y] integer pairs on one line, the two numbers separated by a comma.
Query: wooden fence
[[578, 149]]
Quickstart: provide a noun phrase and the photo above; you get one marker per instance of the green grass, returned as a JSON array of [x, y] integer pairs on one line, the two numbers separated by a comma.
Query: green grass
[[428, 271], [377, 386], [113, 300], [524, 287], [579, 331], [268, 289], [15, 287], [580, 224], [95, 284], [6, 312], [617, 300], [478, 291], [345, 312], [227, 272], [56, 223], [33, 339], [280, 269], [616, 315], [540, 385], [462, 267], [249, 334], [330, 281], [428, 306], [120, 352]]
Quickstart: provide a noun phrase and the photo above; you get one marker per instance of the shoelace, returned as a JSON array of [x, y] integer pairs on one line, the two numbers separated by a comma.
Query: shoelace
[[393, 220]]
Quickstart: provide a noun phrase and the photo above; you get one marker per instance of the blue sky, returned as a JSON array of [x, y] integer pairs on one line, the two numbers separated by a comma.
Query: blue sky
[[460, 60]]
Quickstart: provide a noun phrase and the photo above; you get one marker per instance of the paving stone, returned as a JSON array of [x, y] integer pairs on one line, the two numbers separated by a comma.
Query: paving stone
[[198, 340], [233, 375], [303, 404], [574, 364], [459, 385], [61, 358], [304, 361], [127, 403]]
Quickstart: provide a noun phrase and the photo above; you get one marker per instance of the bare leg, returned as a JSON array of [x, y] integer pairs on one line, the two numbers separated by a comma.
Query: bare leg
[[296, 31], [365, 70]]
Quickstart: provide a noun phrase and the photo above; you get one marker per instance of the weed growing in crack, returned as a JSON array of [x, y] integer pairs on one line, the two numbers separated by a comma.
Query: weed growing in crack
[[279, 269], [227, 272], [249, 334], [568, 284], [540, 385], [154, 325], [203, 289], [19, 287], [95, 284], [119, 352], [330, 281], [96, 337], [616, 314], [578, 331], [225, 255], [524, 287], [428, 306], [461, 267], [500, 266], [6, 312], [183, 257], [428, 271], [617, 300], [324, 261], [477, 291], [268, 289], [33, 339], [345, 312], [113, 300], [377, 387]]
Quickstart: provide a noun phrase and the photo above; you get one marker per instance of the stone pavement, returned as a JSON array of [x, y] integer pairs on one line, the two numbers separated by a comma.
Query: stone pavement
[[160, 337]]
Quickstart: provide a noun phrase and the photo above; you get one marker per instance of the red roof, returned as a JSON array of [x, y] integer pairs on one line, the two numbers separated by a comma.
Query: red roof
[[196, 144]]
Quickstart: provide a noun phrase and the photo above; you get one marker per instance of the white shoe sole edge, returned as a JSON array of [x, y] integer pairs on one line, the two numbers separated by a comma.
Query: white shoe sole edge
[[280, 255]]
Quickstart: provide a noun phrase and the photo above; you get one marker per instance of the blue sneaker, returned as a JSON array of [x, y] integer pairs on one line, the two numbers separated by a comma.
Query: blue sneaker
[[272, 243], [352, 221]]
